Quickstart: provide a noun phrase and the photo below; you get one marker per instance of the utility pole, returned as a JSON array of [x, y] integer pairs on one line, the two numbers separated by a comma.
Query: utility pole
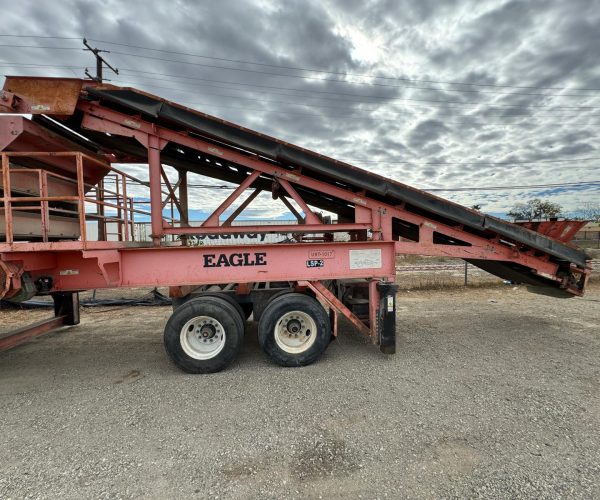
[[100, 62]]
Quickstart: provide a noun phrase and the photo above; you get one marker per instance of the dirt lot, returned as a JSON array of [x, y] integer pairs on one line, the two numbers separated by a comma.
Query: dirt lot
[[494, 393]]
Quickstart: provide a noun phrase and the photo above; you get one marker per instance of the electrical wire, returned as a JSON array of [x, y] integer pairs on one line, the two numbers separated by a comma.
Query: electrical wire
[[529, 186], [329, 115], [270, 92], [296, 68], [285, 102], [456, 189], [362, 96], [518, 162], [304, 77], [319, 106], [43, 36]]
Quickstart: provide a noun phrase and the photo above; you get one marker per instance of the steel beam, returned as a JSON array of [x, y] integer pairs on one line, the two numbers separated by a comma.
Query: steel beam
[[155, 168], [27, 333]]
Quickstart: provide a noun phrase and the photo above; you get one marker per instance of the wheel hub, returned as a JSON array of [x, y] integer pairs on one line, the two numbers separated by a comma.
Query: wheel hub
[[294, 326], [202, 337], [208, 331], [295, 332]]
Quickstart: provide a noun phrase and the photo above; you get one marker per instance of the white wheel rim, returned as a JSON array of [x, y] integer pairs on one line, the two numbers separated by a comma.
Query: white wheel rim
[[295, 332], [202, 337]]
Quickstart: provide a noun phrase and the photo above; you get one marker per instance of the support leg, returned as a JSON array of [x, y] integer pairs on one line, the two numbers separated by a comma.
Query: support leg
[[386, 318], [67, 304]]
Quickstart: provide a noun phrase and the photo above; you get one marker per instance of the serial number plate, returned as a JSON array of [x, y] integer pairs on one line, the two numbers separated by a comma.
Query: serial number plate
[[315, 263]]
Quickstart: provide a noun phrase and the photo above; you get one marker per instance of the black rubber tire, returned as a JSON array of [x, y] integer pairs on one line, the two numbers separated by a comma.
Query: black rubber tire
[[177, 302], [271, 315], [258, 312], [224, 313]]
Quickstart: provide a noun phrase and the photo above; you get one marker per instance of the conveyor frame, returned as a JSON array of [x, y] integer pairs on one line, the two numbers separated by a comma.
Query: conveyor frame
[[381, 217]]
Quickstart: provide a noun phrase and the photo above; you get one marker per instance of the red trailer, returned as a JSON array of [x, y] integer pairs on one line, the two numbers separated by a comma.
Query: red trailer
[[58, 174]]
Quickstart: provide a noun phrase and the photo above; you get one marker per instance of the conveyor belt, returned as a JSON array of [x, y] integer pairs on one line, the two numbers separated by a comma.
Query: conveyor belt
[[178, 117]]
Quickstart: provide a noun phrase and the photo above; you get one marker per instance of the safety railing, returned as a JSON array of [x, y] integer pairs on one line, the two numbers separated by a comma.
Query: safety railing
[[67, 202]]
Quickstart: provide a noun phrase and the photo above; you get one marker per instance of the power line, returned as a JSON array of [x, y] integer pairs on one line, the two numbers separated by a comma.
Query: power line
[[39, 47], [296, 68], [392, 120], [454, 189], [304, 77], [320, 107], [364, 96], [342, 73], [43, 36], [504, 115], [527, 186], [361, 96], [518, 162], [33, 65], [387, 161], [330, 115], [438, 115], [371, 84], [287, 113]]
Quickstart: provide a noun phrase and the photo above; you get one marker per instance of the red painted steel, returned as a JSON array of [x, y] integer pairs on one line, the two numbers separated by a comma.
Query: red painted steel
[[337, 306], [84, 264], [379, 215], [19, 135], [127, 267], [561, 230], [27, 333]]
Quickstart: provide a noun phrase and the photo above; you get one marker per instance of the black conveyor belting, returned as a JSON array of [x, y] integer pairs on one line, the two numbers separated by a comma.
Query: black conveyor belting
[[179, 117]]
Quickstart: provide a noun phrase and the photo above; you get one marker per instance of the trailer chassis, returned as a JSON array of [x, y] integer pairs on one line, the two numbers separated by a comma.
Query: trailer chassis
[[365, 262]]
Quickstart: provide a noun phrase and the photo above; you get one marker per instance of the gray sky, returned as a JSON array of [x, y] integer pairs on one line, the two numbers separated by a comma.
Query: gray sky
[[377, 93]]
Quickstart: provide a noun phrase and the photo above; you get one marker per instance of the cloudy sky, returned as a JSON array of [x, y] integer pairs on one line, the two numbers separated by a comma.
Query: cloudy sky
[[435, 93]]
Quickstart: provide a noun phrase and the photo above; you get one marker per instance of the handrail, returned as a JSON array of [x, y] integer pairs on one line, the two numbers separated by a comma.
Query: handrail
[[126, 206]]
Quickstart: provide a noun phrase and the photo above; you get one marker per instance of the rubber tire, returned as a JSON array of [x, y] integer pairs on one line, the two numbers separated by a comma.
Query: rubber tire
[[212, 306], [280, 306], [258, 313], [225, 296]]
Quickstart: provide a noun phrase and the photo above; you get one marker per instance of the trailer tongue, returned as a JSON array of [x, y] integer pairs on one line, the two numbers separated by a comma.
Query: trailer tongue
[[79, 129]]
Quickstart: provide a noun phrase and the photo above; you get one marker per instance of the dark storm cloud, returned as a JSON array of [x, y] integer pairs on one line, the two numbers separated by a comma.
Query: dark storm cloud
[[394, 126], [426, 132]]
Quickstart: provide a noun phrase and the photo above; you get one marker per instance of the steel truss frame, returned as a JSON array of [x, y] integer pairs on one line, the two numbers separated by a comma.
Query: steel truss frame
[[79, 265]]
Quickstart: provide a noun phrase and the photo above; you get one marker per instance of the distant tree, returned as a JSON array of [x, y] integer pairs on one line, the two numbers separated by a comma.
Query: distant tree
[[535, 209], [589, 211]]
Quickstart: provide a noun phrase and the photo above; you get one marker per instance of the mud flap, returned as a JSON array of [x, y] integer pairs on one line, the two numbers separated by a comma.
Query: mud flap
[[386, 318]]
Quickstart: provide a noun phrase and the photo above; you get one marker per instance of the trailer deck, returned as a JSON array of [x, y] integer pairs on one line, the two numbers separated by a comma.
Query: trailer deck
[[79, 129]]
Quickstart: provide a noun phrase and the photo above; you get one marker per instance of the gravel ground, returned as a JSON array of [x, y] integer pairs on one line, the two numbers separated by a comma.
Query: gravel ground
[[494, 393]]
